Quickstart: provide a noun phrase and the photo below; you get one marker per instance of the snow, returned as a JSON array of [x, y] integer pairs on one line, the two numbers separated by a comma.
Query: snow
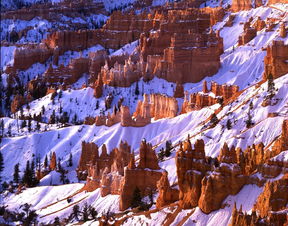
[[246, 197], [7, 53], [241, 65], [127, 49]]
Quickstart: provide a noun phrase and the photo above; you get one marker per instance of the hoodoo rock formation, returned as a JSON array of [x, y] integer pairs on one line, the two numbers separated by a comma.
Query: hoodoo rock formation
[[144, 176], [191, 168], [156, 106], [215, 95], [276, 60], [167, 194], [238, 5], [116, 173], [270, 207], [248, 34], [31, 54]]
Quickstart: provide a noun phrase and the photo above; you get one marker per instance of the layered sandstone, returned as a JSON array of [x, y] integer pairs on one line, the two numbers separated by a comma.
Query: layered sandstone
[[17, 102], [270, 207], [53, 162], [217, 94], [144, 176], [239, 5], [275, 60], [156, 106], [31, 54], [248, 34], [167, 194], [191, 168]]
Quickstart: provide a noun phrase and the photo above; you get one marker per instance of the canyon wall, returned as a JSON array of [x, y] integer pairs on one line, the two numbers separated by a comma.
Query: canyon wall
[[217, 94], [276, 60]]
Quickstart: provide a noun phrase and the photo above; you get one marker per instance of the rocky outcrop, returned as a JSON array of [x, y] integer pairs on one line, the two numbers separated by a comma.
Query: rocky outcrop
[[17, 102], [191, 168], [270, 2], [144, 176], [89, 153], [259, 24], [179, 91], [248, 34], [167, 194], [270, 207], [273, 198], [276, 60], [66, 75], [239, 5], [53, 162], [122, 75], [283, 32], [53, 12], [31, 54], [217, 94], [156, 106]]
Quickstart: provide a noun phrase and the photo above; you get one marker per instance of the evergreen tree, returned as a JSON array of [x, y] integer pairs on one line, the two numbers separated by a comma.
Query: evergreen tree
[[46, 162], [137, 89], [27, 174], [33, 180], [62, 175], [1, 165], [249, 122], [70, 161], [43, 110], [16, 174], [228, 124], [29, 125], [85, 213], [2, 127], [214, 120], [168, 148], [161, 154], [75, 212], [271, 86], [136, 198], [38, 126], [23, 124], [56, 221]]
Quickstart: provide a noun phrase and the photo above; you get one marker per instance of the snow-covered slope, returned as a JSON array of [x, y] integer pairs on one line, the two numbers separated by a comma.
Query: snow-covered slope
[[240, 65]]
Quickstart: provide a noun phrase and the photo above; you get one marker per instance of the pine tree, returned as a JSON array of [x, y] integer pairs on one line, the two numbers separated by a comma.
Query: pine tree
[[137, 89], [85, 213], [16, 174], [70, 161], [271, 86], [29, 125], [168, 148], [214, 120], [46, 162], [23, 124], [27, 174], [228, 124], [62, 175], [1, 165], [161, 154], [43, 110], [249, 122], [136, 198], [33, 180]]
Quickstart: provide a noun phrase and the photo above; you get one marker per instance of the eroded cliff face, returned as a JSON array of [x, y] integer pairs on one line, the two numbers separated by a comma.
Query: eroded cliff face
[[275, 60], [238, 5], [167, 194], [26, 56], [117, 173], [206, 182], [270, 207], [217, 94], [145, 176]]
